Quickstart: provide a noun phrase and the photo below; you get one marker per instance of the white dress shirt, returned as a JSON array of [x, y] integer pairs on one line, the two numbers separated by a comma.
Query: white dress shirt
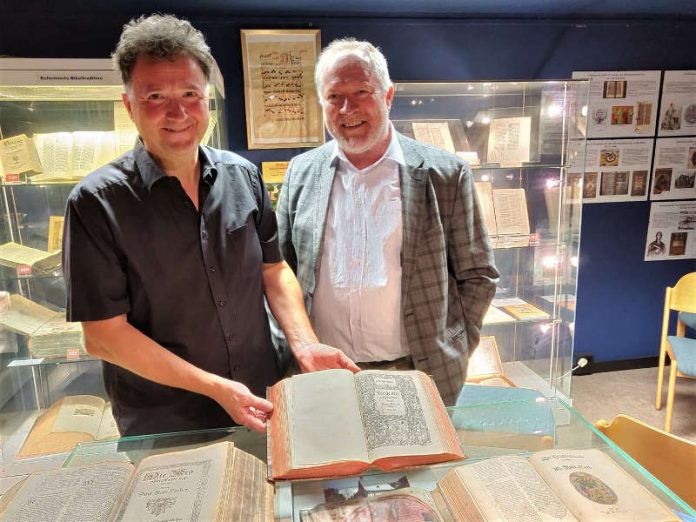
[[357, 301]]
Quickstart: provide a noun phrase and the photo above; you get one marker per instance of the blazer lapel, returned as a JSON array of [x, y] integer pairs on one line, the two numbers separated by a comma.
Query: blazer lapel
[[413, 187], [325, 175]]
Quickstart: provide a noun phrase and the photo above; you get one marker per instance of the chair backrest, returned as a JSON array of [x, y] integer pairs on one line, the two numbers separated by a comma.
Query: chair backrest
[[683, 294], [671, 459], [681, 298]]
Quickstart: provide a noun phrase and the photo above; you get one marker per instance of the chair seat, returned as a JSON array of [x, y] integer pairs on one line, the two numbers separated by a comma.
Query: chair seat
[[684, 350]]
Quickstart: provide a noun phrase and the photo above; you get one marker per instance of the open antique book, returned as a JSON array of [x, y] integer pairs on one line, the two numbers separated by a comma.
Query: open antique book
[[485, 366], [14, 255], [336, 423], [550, 486], [72, 419], [213, 483]]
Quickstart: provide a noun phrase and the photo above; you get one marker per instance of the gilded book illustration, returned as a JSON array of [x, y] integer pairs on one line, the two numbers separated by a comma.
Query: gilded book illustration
[[213, 483], [549, 486], [335, 423], [72, 419]]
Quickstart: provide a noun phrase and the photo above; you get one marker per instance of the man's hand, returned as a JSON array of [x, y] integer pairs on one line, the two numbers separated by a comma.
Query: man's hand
[[244, 407], [316, 356]]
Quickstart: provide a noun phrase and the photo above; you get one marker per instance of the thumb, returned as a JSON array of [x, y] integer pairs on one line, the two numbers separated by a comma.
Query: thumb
[[260, 404]]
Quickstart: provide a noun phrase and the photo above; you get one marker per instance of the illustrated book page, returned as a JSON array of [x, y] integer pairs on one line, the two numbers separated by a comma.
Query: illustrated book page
[[333, 423], [594, 487]]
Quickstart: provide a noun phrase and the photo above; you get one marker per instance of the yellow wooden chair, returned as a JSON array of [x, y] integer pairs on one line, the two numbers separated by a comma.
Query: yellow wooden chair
[[671, 459], [681, 350]]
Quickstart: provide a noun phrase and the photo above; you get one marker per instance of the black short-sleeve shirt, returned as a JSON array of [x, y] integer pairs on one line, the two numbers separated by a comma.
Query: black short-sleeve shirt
[[189, 279]]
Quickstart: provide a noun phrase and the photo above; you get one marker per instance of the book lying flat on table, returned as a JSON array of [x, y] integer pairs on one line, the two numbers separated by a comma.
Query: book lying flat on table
[[213, 483], [549, 486], [520, 309], [72, 419], [336, 423]]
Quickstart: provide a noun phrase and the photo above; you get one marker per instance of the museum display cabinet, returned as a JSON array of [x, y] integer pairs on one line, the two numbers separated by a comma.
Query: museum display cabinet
[[298, 500], [519, 138], [59, 120]]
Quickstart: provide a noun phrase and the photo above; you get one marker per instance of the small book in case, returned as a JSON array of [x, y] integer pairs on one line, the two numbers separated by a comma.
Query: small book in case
[[212, 483], [336, 423], [68, 421], [485, 366], [552, 485]]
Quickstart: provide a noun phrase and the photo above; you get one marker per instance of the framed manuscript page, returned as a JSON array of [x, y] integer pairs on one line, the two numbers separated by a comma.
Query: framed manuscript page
[[282, 107]]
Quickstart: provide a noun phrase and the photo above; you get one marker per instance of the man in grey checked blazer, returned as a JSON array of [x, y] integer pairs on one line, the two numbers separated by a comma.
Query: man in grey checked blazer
[[447, 274]]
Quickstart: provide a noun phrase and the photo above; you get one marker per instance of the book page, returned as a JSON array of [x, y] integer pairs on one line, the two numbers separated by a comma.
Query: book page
[[14, 254], [594, 487], [108, 429], [25, 316], [181, 485], [91, 150], [125, 130], [496, 316], [329, 396], [484, 190], [435, 133], [485, 361], [82, 413], [508, 140], [55, 153], [396, 413], [506, 489], [69, 494], [17, 155], [511, 211]]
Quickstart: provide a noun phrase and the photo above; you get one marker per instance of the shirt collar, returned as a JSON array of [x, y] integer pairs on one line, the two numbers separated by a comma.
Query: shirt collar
[[393, 152], [151, 172]]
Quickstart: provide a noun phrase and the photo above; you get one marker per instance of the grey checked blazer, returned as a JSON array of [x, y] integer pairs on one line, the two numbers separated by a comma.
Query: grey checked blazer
[[448, 274]]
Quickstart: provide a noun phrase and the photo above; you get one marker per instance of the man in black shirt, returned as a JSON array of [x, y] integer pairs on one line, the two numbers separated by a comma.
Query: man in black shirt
[[168, 253]]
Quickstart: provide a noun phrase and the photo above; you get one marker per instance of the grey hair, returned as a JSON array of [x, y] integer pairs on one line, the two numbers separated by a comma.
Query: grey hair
[[160, 36], [373, 57]]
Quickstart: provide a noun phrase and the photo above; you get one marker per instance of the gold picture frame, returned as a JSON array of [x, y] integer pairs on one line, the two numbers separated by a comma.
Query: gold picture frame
[[281, 102]]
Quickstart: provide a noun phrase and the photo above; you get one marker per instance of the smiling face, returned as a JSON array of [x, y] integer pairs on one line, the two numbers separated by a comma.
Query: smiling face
[[168, 103], [356, 110]]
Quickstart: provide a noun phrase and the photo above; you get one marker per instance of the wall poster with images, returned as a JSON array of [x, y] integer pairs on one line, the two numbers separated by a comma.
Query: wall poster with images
[[622, 103], [671, 231], [678, 104], [282, 107], [674, 169], [614, 170]]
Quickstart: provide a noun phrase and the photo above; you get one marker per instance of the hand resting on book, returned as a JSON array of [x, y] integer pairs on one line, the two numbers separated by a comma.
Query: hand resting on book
[[313, 357]]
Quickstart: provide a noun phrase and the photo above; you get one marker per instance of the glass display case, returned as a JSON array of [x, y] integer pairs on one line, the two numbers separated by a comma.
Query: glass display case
[[301, 500], [59, 120], [519, 138]]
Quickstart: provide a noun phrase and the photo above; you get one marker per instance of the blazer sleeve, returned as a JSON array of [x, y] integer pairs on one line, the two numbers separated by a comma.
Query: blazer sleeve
[[470, 256]]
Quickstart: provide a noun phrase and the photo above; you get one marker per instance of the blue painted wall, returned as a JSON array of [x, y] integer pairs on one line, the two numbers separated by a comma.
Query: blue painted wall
[[620, 297]]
